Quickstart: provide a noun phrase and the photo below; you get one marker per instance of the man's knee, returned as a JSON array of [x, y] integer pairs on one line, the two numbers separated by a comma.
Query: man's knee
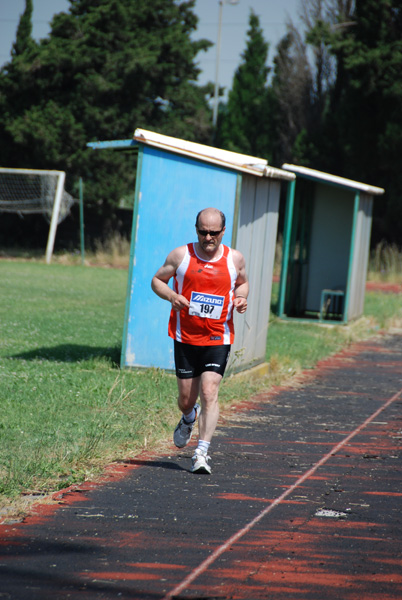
[[184, 401], [188, 392], [210, 383]]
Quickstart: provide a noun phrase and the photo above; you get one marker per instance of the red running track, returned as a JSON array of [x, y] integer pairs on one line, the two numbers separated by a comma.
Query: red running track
[[304, 502]]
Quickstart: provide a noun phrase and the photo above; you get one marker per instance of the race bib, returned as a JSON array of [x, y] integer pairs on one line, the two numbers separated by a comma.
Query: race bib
[[207, 306]]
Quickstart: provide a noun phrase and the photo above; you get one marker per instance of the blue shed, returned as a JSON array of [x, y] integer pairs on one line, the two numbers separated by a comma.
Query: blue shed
[[325, 246], [176, 179]]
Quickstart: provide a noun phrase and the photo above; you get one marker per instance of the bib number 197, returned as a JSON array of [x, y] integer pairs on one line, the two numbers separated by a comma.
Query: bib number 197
[[206, 306], [207, 309]]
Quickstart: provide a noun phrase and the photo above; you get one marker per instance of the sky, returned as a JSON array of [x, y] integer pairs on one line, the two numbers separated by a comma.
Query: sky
[[273, 15]]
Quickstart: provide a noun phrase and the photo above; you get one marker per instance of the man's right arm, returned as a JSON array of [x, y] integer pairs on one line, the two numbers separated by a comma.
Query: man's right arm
[[161, 279]]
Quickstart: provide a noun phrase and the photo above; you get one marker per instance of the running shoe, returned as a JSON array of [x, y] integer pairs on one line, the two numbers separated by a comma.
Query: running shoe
[[184, 431], [200, 462]]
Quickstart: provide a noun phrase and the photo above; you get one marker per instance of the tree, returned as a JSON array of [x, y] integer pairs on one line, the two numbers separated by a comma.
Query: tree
[[107, 67], [242, 123], [318, 18], [365, 119], [24, 40], [353, 123], [323, 21], [288, 110]]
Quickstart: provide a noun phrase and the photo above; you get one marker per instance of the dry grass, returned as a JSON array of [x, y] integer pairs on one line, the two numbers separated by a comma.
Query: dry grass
[[385, 263], [114, 253]]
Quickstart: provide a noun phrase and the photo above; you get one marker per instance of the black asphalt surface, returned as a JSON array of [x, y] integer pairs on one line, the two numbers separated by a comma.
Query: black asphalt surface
[[304, 502]]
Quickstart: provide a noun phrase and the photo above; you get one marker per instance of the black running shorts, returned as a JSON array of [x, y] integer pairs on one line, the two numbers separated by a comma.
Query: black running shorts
[[192, 361]]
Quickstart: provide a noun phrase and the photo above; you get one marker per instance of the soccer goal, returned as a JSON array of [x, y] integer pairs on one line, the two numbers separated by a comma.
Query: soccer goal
[[28, 191]]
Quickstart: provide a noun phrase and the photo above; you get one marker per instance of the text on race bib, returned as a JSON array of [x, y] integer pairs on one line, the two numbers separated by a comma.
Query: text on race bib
[[207, 306]]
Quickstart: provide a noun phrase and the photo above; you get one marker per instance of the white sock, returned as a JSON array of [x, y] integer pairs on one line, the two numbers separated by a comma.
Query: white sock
[[203, 446], [190, 416]]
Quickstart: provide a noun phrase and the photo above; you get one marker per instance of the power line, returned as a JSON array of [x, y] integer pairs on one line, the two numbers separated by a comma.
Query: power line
[[17, 19]]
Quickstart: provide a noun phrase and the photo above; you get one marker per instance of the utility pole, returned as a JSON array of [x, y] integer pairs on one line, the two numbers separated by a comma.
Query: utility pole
[[218, 53]]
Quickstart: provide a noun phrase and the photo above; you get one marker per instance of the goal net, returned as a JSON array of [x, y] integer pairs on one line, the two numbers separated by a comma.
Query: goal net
[[27, 191]]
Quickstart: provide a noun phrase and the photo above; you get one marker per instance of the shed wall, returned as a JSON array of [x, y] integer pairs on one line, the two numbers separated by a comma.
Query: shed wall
[[331, 232], [171, 190], [360, 257], [256, 240]]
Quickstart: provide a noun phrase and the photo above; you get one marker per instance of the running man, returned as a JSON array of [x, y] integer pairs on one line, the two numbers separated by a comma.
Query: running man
[[210, 280]]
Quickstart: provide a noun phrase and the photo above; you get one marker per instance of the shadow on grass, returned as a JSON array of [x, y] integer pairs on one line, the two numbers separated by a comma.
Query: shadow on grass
[[275, 307], [72, 353], [275, 299]]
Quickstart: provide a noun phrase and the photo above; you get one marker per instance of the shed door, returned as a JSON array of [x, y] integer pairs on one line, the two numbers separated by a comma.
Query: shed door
[[299, 248]]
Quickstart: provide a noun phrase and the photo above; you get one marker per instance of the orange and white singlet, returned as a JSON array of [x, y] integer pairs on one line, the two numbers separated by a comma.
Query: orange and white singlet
[[208, 285]]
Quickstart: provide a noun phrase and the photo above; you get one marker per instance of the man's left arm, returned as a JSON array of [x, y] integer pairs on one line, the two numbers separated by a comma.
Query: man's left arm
[[241, 287]]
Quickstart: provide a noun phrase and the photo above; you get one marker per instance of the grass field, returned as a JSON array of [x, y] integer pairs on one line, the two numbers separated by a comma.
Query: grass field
[[67, 410]]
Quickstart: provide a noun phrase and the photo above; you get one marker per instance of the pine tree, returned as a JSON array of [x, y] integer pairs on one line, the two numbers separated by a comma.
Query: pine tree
[[357, 128], [288, 109], [365, 119], [242, 123], [325, 21], [107, 67], [24, 40]]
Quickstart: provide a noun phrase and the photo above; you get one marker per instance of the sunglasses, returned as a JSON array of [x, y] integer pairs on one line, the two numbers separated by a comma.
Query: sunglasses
[[204, 232]]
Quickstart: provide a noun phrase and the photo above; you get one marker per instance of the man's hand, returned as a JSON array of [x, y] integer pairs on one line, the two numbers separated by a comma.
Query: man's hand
[[240, 304], [179, 302]]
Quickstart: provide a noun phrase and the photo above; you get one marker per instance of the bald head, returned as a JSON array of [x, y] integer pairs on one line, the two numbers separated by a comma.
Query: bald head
[[211, 212]]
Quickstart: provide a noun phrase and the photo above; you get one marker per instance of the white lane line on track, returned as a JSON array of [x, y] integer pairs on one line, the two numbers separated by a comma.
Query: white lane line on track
[[234, 538]]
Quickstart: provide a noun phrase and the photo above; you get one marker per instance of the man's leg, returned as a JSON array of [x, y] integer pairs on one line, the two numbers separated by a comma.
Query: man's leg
[[188, 393], [209, 389]]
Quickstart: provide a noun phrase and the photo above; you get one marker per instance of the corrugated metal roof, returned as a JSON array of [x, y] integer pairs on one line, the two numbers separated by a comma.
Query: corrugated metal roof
[[334, 179], [232, 160]]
